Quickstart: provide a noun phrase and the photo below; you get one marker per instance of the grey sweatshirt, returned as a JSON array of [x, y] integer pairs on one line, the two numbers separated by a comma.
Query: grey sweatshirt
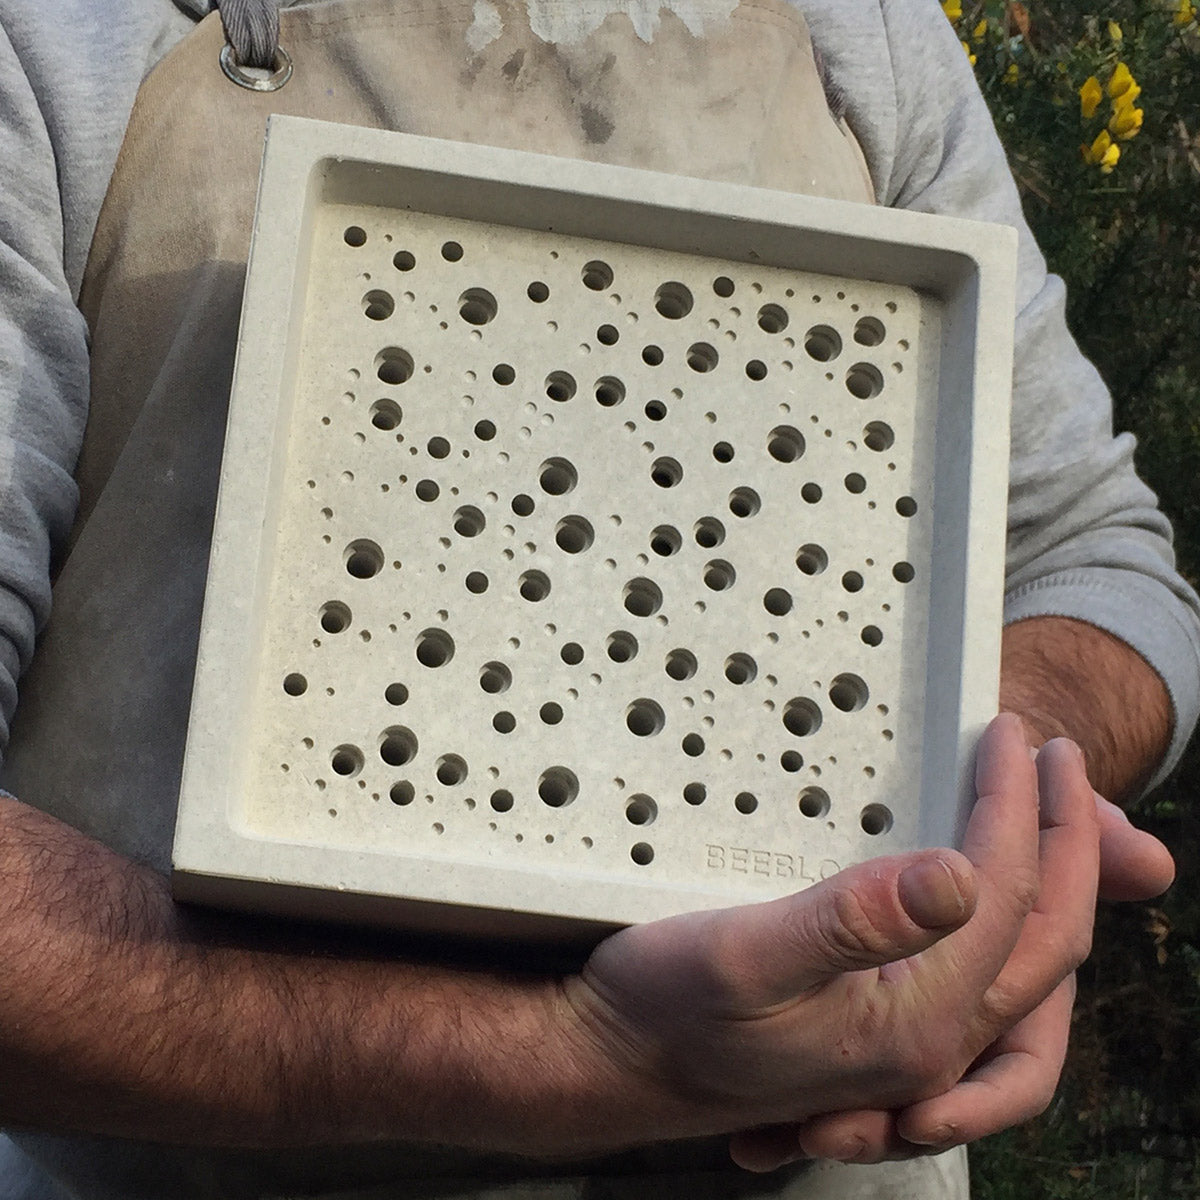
[[1086, 538]]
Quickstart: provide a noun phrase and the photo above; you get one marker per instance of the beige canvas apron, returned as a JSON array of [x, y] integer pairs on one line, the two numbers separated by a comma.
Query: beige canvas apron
[[100, 732]]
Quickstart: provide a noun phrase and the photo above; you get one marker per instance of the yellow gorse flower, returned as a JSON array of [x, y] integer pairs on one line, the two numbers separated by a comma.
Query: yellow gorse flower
[[1090, 96], [981, 28], [1012, 74], [1103, 153], [952, 9], [967, 50], [1126, 121], [1185, 13], [1121, 81], [1114, 31]]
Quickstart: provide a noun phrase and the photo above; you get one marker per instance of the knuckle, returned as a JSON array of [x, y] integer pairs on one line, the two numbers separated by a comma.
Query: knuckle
[[1025, 887], [846, 929]]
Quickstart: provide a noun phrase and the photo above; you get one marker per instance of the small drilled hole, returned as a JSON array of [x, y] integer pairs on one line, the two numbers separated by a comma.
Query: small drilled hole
[[744, 502], [785, 444], [848, 693], [740, 669], [335, 617], [609, 392], [719, 575], [673, 300], [642, 597], [622, 647], [778, 602], [645, 718], [452, 251], [608, 335], [878, 436], [427, 490], [386, 415], [450, 770], [394, 365], [801, 717], [477, 583], [745, 802], [485, 430], [469, 522], [723, 452], [435, 648], [403, 260], [864, 381], [494, 678], [534, 586], [772, 318], [869, 331], [814, 802], [558, 786], [642, 854], [355, 235], [723, 286], [906, 506], [702, 357], [538, 292], [641, 810], [402, 793], [791, 761], [876, 819], [504, 722], [852, 581], [378, 305], [822, 343], [903, 572], [695, 793], [503, 374], [872, 635], [501, 800], [665, 540], [396, 694], [397, 746], [692, 745], [560, 386], [295, 684], [557, 476], [477, 306], [364, 559], [708, 532], [550, 713], [681, 665], [572, 654], [666, 472], [652, 356], [522, 505], [574, 535], [597, 275], [855, 483]]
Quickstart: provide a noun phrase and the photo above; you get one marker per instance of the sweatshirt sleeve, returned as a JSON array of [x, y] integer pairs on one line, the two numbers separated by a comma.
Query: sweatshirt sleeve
[[1086, 538], [43, 375]]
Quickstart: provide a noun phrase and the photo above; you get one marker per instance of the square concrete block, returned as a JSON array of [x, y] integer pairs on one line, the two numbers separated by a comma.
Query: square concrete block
[[593, 545]]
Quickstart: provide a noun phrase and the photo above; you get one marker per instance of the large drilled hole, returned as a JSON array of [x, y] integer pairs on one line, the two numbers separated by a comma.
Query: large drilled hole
[[435, 648], [438, 447], [723, 286], [855, 484], [740, 669], [814, 802], [791, 761], [574, 535], [560, 386], [378, 305], [849, 693], [904, 572], [708, 532], [642, 597], [295, 684], [538, 292], [681, 665], [641, 810], [476, 583], [346, 761], [534, 586], [719, 575], [597, 275], [427, 490], [673, 300], [871, 635], [702, 357], [778, 602], [622, 646], [404, 260], [852, 581], [906, 506], [485, 430], [692, 745], [335, 617], [812, 559], [695, 793], [801, 716], [876, 819], [355, 236], [811, 493], [869, 331], [364, 559], [504, 374], [666, 472], [822, 343], [550, 713], [397, 746], [609, 392], [396, 694], [642, 854], [501, 800], [756, 369], [608, 335], [477, 306], [652, 356], [394, 365], [504, 722], [494, 678], [571, 654], [878, 436], [386, 415], [665, 540], [645, 718], [452, 251], [785, 444], [745, 802], [469, 522], [723, 452], [522, 505], [863, 381], [772, 318], [450, 770], [402, 793], [557, 786], [557, 476], [744, 502]]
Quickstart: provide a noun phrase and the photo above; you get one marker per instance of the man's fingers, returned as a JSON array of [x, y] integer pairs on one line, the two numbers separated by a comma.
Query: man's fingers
[[1134, 865], [1015, 1084]]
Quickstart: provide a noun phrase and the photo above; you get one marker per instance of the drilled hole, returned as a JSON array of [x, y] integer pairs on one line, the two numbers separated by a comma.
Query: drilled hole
[[642, 597], [778, 602], [878, 436], [665, 540], [692, 745], [572, 654], [869, 331], [557, 786], [740, 669], [906, 506], [427, 490], [801, 717], [438, 447], [872, 635], [744, 502], [402, 793], [772, 318], [550, 713], [501, 800], [355, 235], [702, 357], [652, 356], [681, 665], [848, 693], [534, 586], [397, 746], [876, 819], [396, 694], [452, 251], [504, 374], [645, 718], [695, 793], [435, 648], [574, 535], [378, 305], [655, 410], [295, 684], [723, 286], [709, 532], [538, 292], [642, 854], [335, 617], [852, 581], [791, 761], [404, 260], [785, 444], [477, 306], [608, 335], [469, 522], [864, 381], [522, 504], [855, 483], [609, 392], [504, 722], [622, 647], [745, 802], [597, 275], [450, 770], [903, 572], [485, 430], [386, 415], [557, 476], [814, 802], [723, 452], [719, 575], [494, 678], [346, 761], [477, 583], [756, 369], [822, 343], [641, 810], [364, 559], [666, 472], [673, 300], [811, 493], [560, 386], [394, 365]]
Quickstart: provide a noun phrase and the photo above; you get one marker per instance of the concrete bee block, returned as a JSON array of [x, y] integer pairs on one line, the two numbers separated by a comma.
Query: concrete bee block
[[593, 545]]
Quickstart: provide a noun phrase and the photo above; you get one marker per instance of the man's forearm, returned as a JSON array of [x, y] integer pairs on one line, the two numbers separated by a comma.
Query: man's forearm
[[1067, 678]]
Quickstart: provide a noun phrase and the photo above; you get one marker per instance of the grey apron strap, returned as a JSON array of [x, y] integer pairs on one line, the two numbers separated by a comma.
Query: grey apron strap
[[252, 57]]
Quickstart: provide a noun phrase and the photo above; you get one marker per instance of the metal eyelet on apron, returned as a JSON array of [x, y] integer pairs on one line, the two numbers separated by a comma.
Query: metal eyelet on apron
[[252, 56]]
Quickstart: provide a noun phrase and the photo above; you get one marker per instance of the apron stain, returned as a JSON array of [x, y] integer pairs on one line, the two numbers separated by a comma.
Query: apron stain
[[512, 68], [597, 128]]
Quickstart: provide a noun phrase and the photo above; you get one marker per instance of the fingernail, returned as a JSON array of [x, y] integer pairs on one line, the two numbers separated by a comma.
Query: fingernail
[[940, 1137], [933, 894], [850, 1149]]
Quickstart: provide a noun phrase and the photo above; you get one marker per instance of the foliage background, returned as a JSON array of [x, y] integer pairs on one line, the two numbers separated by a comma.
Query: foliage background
[[1126, 237]]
